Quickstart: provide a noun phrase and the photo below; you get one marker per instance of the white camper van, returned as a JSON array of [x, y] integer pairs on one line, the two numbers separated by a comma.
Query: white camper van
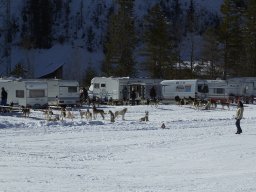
[[218, 89], [223, 89], [118, 88], [24, 92], [247, 85], [184, 88], [62, 92]]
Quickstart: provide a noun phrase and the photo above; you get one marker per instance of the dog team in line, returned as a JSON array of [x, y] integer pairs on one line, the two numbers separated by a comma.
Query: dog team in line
[[67, 113], [202, 104], [89, 115]]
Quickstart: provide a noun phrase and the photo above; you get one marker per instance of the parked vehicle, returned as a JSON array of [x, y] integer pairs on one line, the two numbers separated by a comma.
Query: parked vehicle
[[194, 88], [232, 88], [119, 88], [62, 92], [24, 92]]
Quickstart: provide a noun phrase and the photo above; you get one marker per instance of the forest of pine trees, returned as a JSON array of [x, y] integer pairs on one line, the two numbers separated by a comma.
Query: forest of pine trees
[[227, 47]]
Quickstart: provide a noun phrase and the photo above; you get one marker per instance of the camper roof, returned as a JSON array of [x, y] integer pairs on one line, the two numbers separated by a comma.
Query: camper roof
[[180, 80]]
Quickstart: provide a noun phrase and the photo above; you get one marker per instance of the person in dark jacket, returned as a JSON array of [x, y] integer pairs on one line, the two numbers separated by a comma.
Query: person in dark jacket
[[239, 116], [153, 93], [3, 97], [133, 96]]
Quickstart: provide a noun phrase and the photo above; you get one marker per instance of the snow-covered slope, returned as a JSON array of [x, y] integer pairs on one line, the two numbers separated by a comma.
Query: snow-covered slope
[[197, 151], [73, 54]]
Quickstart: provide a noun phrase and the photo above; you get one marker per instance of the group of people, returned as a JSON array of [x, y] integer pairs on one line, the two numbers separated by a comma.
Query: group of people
[[133, 94]]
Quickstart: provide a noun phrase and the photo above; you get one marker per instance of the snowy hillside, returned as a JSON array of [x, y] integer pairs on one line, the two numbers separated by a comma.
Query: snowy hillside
[[197, 151], [84, 15]]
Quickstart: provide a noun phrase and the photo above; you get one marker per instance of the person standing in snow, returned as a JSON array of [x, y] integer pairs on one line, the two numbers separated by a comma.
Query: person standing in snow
[[153, 94], [3, 97], [239, 116], [133, 96]]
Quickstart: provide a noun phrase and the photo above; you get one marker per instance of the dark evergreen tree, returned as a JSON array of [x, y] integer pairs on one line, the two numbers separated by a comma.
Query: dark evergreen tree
[[191, 29], [231, 37], [211, 54], [90, 39], [250, 39], [40, 19], [120, 41], [19, 71], [158, 44], [89, 74]]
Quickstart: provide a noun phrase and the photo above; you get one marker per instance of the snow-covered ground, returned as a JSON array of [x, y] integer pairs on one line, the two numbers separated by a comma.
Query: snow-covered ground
[[197, 151]]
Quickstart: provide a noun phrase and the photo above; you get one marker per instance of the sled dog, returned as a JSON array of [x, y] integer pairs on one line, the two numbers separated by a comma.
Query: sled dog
[[69, 114], [145, 118], [82, 113], [96, 111], [25, 111], [121, 112], [112, 116], [88, 115]]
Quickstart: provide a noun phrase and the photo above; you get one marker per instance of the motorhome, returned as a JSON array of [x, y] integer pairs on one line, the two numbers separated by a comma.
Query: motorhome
[[119, 88], [62, 92], [247, 85], [217, 89], [194, 88], [24, 92]]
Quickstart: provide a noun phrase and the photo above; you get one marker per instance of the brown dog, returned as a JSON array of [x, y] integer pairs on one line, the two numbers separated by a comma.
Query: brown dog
[[121, 112], [25, 111], [96, 111]]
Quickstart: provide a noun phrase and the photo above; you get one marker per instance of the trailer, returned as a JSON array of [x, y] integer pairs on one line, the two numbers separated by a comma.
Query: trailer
[[195, 88], [247, 85], [119, 88], [28, 93], [62, 92]]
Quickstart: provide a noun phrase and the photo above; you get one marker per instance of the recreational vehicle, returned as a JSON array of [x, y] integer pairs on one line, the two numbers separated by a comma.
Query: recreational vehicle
[[184, 88], [217, 89], [119, 88], [62, 92], [247, 85], [23, 92]]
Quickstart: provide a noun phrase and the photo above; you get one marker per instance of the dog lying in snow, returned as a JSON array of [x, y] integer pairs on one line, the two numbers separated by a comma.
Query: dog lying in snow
[[145, 118]]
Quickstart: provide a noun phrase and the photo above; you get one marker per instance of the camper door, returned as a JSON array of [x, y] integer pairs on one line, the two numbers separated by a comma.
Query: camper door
[[139, 89]]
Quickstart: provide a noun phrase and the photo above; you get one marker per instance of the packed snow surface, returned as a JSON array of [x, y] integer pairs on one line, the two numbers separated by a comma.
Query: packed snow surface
[[198, 150]]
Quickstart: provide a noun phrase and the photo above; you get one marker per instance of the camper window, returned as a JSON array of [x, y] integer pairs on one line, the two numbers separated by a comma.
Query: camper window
[[179, 88], [203, 88], [72, 89], [103, 85], [96, 85], [20, 93], [36, 93], [219, 91]]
